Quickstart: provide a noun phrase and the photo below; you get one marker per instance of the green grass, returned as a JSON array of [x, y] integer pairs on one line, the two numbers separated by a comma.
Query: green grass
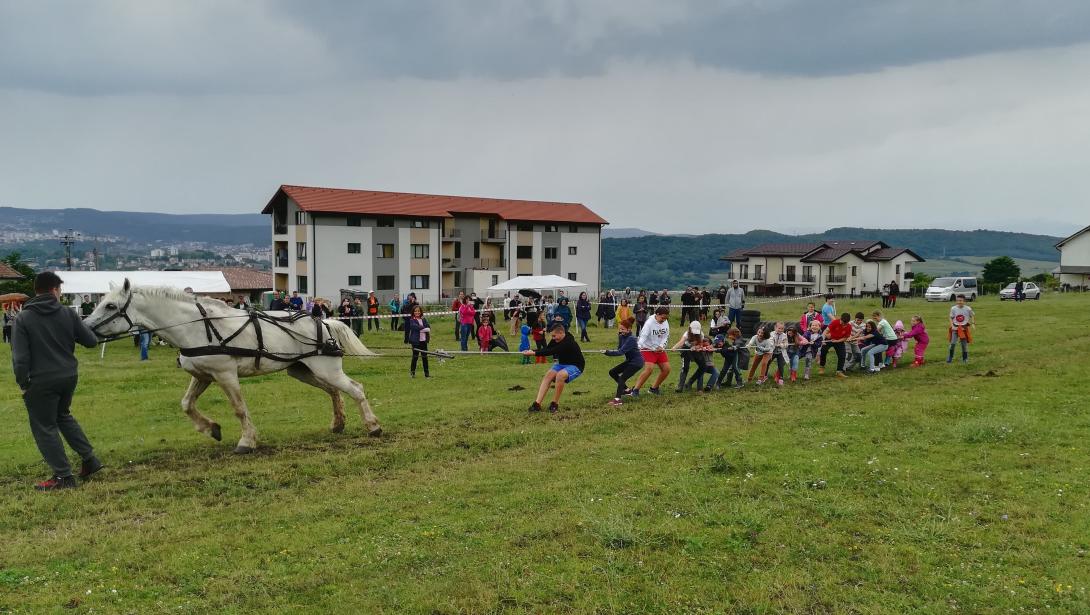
[[932, 490]]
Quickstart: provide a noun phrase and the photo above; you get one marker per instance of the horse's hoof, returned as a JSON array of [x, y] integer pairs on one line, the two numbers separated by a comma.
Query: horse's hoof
[[216, 433], [376, 432], [337, 428], [243, 450]]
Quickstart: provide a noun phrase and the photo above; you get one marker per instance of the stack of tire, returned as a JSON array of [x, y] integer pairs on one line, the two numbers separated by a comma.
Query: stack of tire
[[748, 321]]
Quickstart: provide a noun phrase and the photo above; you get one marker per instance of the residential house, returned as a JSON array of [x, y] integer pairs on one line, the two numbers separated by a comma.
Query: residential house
[[838, 267], [1074, 271]]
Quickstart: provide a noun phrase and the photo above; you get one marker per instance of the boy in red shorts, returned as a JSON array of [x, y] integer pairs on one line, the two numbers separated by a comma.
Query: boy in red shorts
[[652, 342]]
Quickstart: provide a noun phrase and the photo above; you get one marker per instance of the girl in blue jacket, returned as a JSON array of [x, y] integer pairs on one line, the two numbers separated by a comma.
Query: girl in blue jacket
[[633, 359]]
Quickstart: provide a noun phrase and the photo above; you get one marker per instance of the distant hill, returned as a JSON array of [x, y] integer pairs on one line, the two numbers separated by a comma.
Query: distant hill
[[624, 233], [672, 260], [231, 229]]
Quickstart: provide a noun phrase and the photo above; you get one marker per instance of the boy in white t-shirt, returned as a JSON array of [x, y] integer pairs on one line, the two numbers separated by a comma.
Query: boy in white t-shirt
[[962, 322], [652, 342]]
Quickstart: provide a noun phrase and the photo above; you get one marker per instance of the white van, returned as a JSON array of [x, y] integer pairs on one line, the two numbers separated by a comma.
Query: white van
[[947, 289]]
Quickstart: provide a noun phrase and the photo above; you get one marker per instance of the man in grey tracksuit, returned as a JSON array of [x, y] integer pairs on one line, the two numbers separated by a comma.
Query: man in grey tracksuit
[[736, 302], [43, 356]]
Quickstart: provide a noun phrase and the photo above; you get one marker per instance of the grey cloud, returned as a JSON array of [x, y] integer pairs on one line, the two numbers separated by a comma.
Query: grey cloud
[[202, 48]]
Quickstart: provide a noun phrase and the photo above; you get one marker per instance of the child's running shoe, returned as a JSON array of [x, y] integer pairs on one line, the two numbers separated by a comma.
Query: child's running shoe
[[616, 401], [633, 393], [708, 389], [535, 407], [761, 381], [841, 375], [779, 382], [554, 407], [739, 385], [655, 391]]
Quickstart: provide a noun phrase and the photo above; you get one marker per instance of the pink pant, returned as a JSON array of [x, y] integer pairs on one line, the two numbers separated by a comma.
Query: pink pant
[[920, 348]]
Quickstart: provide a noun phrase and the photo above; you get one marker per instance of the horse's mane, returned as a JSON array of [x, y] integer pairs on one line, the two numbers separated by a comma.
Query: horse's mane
[[173, 294]]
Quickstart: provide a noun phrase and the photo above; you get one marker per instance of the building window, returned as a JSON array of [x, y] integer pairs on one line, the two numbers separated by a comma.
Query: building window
[[420, 250], [495, 280], [385, 250], [353, 248], [457, 278], [572, 276], [301, 250], [743, 271], [300, 217], [421, 224], [384, 282], [898, 270], [301, 284], [573, 250], [419, 282], [476, 249], [757, 272], [573, 228], [525, 227], [550, 252], [385, 222], [355, 221], [457, 249], [854, 271], [355, 280], [552, 228], [524, 252]]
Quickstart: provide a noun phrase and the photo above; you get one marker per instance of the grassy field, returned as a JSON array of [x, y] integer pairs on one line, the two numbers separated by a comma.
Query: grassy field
[[934, 490]]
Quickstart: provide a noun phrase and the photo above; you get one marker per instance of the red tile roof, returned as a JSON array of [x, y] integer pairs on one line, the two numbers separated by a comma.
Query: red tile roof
[[783, 249], [372, 202], [8, 273], [830, 255], [244, 278]]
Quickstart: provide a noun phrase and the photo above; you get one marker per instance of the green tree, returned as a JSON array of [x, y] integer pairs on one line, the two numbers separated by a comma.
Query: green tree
[[1001, 270], [26, 285], [922, 281]]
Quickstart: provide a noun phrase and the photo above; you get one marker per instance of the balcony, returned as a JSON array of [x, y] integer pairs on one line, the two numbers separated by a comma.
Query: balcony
[[751, 277], [280, 229], [451, 233], [282, 261], [796, 278], [452, 263], [836, 279], [495, 236], [490, 263]]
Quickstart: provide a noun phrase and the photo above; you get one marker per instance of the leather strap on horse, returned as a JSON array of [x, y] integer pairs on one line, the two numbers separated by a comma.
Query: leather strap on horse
[[324, 346]]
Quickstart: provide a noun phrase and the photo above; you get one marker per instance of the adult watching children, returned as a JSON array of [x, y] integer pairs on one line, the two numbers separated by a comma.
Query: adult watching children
[[736, 302], [43, 357]]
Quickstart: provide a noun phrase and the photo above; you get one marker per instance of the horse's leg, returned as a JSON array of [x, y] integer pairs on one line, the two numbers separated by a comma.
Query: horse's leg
[[333, 375], [233, 391], [303, 374], [189, 404]]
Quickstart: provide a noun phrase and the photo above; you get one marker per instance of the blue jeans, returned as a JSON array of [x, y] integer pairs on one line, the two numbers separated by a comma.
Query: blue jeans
[[733, 314], [583, 337], [145, 341], [466, 330], [871, 352]]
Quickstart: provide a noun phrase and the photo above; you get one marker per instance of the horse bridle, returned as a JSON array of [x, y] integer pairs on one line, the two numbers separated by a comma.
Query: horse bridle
[[121, 313]]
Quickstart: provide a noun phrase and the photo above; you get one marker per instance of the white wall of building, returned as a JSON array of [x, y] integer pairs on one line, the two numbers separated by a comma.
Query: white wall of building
[[539, 252], [585, 261], [333, 262], [1076, 253]]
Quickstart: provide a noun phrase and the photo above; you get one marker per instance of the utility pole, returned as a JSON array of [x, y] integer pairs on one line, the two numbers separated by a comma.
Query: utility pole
[[69, 240], [94, 254]]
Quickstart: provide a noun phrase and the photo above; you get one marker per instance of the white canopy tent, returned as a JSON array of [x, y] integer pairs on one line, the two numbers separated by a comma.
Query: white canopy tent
[[98, 282], [536, 282]]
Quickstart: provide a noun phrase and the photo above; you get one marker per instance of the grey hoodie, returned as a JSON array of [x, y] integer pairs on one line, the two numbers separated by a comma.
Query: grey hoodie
[[43, 341]]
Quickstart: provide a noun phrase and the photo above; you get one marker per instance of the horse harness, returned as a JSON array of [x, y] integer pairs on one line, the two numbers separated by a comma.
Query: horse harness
[[324, 342]]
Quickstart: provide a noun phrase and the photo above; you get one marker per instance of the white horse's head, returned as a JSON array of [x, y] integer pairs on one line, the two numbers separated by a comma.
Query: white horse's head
[[112, 317]]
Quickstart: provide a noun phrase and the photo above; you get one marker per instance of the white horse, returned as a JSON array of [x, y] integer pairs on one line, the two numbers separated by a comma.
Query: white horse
[[222, 344]]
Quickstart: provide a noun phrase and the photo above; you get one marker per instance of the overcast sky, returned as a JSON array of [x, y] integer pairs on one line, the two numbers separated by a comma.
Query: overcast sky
[[678, 116]]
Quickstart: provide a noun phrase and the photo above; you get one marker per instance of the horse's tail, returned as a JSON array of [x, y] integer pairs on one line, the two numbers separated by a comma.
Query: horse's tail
[[349, 342]]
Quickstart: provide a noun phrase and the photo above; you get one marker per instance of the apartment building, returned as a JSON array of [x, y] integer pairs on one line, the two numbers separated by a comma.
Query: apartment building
[[839, 267], [326, 240]]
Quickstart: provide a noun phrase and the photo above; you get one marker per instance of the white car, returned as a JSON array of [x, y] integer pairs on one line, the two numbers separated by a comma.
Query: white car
[[1029, 290]]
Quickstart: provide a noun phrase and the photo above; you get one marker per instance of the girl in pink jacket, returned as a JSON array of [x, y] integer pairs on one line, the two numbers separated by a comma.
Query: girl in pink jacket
[[918, 333]]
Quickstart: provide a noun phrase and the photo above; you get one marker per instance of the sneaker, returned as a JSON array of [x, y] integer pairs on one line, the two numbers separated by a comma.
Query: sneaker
[[616, 401], [89, 467], [965, 361], [761, 381], [779, 382], [739, 385], [412, 375], [554, 407], [707, 389], [679, 389], [57, 482], [950, 360], [841, 375], [633, 393], [873, 370], [535, 407], [655, 391], [794, 377]]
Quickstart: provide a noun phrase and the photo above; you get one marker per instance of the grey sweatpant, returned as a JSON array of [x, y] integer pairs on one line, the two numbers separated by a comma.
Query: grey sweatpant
[[48, 406]]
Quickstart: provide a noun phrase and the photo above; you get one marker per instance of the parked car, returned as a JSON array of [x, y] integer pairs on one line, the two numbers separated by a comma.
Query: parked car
[[1029, 290], [947, 289]]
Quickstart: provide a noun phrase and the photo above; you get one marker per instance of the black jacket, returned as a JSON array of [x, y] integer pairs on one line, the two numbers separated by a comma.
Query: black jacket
[[43, 341], [567, 352]]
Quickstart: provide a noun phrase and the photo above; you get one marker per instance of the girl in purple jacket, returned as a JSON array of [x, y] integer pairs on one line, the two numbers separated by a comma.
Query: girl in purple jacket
[[918, 333]]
